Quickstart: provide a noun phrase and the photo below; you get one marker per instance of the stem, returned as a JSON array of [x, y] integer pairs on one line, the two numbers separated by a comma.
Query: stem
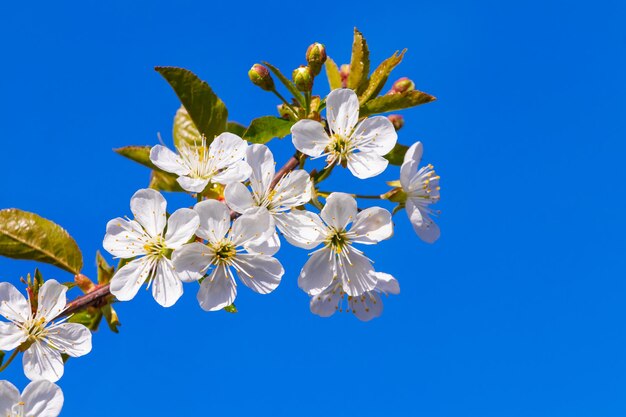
[[286, 103], [6, 364], [307, 102]]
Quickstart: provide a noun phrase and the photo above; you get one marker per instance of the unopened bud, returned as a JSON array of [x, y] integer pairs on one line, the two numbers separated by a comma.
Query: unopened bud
[[260, 75], [303, 78], [402, 85], [344, 72], [316, 56], [396, 120]]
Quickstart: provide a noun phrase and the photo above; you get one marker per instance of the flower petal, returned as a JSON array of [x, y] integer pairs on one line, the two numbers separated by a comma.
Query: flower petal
[[181, 227], [51, 300], [342, 111], [327, 302], [356, 273], [339, 211], [372, 225], [250, 226], [226, 149], [9, 396], [265, 245], [42, 399], [387, 283], [71, 338], [217, 290], [366, 306], [193, 185], [237, 172], [408, 175], [318, 272], [167, 286], [293, 190], [375, 134], [40, 361], [127, 280], [366, 164], [261, 273], [13, 305], [238, 197], [423, 225], [214, 220], [148, 207], [309, 137], [11, 336], [261, 160], [167, 160], [191, 261], [301, 228], [125, 238], [414, 153]]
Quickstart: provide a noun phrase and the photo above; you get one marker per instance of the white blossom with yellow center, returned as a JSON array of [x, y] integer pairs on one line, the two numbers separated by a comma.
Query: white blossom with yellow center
[[40, 399]]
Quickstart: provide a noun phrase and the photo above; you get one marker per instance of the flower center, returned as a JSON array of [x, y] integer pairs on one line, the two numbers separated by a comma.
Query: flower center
[[197, 158], [36, 329], [157, 247], [225, 251], [339, 147], [338, 240], [17, 410], [428, 187]]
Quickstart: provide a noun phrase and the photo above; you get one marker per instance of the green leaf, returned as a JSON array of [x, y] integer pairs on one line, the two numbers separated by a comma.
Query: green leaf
[[333, 74], [380, 75], [265, 128], [164, 181], [89, 318], [25, 235], [159, 180], [396, 156], [394, 102], [184, 131], [236, 128], [206, 110], [359, 63], [287, 83], [139, 154], [231, 308], [105, 271], [111, 317]]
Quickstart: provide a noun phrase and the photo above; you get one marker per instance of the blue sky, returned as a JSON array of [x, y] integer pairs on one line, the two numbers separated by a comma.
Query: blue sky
[[518, 310]]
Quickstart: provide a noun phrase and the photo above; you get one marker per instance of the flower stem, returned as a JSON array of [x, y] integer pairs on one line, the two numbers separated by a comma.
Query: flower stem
[[293, 111], [6, 364]]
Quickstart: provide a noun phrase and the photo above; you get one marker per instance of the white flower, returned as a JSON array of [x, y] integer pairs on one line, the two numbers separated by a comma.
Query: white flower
[[338, 258], [292, 190], [196, 166], [421, 186], [223, 251], [361, 146], [147, 237], [367, 306], [48, 340], [39, 399]]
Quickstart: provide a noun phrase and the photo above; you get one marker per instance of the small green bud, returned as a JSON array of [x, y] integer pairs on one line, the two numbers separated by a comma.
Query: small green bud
[[303, 78], [396, 120], [316, 56], [402, 85], [344, 72], [260, 75]]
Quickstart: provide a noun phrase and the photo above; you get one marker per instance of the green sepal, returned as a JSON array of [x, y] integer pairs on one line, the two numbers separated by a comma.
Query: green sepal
[[392, 102], [231, 308], [105, 271], [264, 129], [111, 318]]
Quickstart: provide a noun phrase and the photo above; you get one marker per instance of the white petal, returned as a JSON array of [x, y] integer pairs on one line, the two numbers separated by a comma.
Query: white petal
[[261, 273], [181, 226], [366, 164], [11, 336], [9, 396], [327, 302], [191, 261], [408, 172], [13, 305], [238, 197], [125, 238], [375, 134], [51, 300], [214, 220], [367, 306], [166, 287], [342, 110], [414, 153], [236, 172], [266, 245], [293, 190], [309, 137], [340, 210], [193, 185], [261, 160], [423, 225], [250, 226], [318, 272], [372, 225], [167, 160], [387, 283], [301, 228], [127, 280], [227, 149], [357, 274], [42, 362], [148, 207], [71, 338], [217, 290], [42, 399]]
